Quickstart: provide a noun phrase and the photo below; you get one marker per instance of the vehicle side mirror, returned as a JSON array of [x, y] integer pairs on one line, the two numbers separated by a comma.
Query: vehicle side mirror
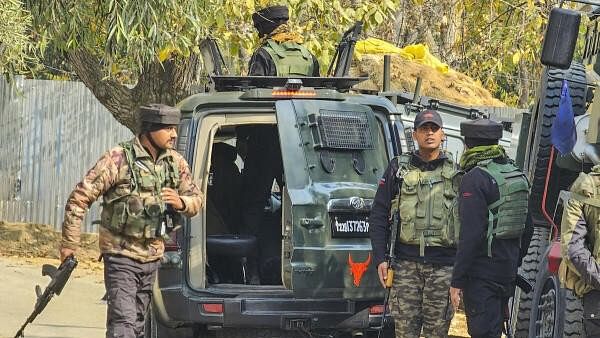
[[560, 38]]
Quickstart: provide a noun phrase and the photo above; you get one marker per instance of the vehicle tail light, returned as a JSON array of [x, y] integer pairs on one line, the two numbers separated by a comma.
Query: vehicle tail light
[[554, 258], [376, 310], [212, 308]]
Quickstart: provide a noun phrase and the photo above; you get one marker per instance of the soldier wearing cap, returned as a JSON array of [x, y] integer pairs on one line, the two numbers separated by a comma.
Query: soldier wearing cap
[[281, 52], [419, 190], [146, 186], [492, 211]]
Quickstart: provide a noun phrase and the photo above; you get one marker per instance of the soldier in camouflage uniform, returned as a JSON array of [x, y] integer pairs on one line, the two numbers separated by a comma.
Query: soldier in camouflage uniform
[[580, 247], [420, 188], [142, 181]]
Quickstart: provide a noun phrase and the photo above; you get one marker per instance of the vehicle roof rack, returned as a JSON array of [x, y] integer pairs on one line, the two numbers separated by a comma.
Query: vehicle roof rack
[[233, 83]]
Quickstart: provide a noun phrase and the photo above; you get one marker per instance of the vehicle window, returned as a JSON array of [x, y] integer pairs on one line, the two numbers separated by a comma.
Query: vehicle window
[[344, 146]]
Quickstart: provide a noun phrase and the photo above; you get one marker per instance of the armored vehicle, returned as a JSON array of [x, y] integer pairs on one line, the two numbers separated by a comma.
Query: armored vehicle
[[311, 247]]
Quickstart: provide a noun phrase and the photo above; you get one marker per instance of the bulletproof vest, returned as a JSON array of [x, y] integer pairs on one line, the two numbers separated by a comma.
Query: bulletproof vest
[[290, 58], [507, 215], [427, 205], [137, 210]]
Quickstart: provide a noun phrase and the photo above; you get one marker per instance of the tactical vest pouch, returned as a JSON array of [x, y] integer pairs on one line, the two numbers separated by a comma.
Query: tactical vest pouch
[[119, 216], [408, 205], [507, 215]]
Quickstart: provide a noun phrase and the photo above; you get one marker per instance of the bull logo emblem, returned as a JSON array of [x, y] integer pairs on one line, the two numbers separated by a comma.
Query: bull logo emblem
[[357, 270], [357, 203]]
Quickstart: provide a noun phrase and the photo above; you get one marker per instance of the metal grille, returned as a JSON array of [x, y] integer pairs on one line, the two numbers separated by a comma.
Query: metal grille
[[345, 130]]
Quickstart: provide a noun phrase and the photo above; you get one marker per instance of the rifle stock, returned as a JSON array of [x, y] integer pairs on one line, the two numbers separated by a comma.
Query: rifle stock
[[59, 277], [390, 271]]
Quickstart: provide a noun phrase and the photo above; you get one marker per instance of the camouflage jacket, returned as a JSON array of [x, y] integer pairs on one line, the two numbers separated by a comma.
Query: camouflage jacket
[[580, 229], [112, 173]]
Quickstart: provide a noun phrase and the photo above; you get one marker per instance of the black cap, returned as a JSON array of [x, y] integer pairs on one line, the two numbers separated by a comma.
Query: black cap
[[428, 116], [481, 129], [159, 113], [267, 19]]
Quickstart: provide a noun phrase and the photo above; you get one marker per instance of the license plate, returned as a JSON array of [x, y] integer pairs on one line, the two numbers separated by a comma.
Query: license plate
[[349, 226]]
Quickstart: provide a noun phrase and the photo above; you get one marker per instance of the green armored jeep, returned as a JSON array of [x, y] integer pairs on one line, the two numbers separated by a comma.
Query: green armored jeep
[[311, 249]]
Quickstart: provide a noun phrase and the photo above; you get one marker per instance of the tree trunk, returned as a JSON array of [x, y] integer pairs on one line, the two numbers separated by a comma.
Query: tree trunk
[[166, 83], [523, 85], [434, 23]]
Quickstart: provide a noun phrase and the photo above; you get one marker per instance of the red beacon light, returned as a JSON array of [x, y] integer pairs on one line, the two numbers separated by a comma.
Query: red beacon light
[[293, 88]]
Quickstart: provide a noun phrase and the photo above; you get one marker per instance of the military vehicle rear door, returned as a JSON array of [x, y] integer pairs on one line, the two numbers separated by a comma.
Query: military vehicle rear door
[[333, 156]]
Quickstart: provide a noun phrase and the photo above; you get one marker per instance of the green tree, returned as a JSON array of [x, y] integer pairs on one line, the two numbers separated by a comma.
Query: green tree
[[132, 52], [15, 46], [497, 42]]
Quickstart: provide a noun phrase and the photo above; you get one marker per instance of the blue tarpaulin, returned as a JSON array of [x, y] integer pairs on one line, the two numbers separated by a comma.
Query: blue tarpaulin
[[563, 129]]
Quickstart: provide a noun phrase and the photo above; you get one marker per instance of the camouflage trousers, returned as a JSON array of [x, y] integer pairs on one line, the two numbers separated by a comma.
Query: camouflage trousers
[[420, 299]]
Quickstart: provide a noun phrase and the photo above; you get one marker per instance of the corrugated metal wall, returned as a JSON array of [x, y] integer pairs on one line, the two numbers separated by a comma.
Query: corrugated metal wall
[[51, 133]]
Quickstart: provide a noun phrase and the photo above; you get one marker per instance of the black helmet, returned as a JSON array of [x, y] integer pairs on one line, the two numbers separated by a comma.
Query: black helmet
[[159, 114], [267, 19]]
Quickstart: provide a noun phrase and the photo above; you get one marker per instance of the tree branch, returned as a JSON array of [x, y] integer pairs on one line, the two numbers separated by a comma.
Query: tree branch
[[114, 96]]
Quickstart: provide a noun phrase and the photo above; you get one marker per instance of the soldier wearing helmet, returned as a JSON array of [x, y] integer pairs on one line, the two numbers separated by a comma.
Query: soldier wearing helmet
[[281, 52], [492, 205], [145, 186]]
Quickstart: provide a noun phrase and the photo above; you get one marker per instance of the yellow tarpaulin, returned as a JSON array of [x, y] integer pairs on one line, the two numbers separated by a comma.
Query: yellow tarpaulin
[[417, 53]]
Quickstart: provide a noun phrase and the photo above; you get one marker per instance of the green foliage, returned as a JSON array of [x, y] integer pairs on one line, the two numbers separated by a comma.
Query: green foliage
[[15, 47], [500, 45], [129, 34]]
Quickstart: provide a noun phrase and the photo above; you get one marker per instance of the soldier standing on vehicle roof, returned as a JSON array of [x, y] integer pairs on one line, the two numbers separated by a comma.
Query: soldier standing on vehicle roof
[[143, 183], [492, 209], [281, 52], [420, 186], [580, 247]]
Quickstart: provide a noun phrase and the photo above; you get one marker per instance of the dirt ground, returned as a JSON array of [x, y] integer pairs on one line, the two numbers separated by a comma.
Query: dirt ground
[[452, 86], [24, 248]]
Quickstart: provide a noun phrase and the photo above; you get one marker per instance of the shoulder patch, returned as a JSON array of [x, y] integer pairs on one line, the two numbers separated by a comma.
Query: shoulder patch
[[117, 155]]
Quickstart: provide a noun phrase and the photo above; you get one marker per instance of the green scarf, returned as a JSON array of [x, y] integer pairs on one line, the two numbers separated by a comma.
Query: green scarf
[[474, 155]]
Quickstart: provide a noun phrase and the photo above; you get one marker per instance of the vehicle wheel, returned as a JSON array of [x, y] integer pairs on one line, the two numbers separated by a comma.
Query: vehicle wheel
[[539, 151], [257, 333], [521, 304], [153, 328], [556, 312]]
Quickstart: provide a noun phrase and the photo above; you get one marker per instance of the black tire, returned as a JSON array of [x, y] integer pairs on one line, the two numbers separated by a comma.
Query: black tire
[[257, 333], [155, 329], [521, 305], [540, 147], [556, 312]]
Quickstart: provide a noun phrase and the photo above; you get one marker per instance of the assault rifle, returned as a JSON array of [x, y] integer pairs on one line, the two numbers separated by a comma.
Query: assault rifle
[[59, 277], [344, 51], [390, 271]]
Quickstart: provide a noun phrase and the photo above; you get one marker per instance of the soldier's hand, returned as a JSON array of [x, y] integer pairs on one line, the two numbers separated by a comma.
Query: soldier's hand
[[65, 252], [382, 269], [455, 295], [170, 196]]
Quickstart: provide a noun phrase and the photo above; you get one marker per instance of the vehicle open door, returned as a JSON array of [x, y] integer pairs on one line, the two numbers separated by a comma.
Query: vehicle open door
[[333, 157]]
